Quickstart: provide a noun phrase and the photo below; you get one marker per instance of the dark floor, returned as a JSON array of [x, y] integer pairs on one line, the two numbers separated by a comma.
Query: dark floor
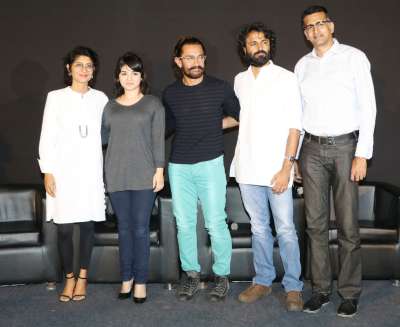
[[33, 305]]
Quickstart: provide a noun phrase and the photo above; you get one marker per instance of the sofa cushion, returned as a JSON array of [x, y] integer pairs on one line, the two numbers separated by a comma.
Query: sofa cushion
[[366, 203], [241, 235], [19, 205], [19, 234], [106, 233], [370, 233], [234, 206]]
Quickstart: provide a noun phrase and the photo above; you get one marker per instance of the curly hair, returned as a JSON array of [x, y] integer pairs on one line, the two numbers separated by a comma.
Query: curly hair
[[255, 27]]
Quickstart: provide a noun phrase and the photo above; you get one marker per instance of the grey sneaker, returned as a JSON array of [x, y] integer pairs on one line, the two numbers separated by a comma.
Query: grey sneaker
[[189, 286], [220, 290]]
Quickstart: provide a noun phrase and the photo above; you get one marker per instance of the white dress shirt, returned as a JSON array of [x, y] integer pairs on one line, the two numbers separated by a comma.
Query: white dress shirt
[[270, 106], [338, 95], [70, 149]]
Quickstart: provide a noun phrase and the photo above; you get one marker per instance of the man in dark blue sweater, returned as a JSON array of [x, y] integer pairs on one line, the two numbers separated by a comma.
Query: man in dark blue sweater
[[198, 108]]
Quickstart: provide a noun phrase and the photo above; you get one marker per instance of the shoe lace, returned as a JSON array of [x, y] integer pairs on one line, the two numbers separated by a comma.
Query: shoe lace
[[190, 284], [220, 286]]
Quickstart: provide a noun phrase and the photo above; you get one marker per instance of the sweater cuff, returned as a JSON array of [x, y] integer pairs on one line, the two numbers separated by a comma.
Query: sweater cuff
[[160, 164]]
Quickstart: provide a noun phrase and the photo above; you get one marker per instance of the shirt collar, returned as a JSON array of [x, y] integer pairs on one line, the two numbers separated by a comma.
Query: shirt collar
[[334, 49], [82, 95], [263, 69]]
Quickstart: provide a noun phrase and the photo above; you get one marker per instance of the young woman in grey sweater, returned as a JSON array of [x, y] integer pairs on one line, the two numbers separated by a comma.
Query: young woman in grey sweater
[[133, 127]]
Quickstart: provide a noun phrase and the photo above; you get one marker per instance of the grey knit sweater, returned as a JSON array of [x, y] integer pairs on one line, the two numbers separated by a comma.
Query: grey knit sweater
[[135, 138]]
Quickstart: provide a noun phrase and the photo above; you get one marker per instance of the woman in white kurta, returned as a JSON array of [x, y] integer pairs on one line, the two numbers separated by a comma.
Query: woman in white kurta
[[72, 163]]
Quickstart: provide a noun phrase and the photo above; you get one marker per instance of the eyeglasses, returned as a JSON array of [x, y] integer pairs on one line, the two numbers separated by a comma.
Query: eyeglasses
[[318, 25], [192, 59], [82, 66]]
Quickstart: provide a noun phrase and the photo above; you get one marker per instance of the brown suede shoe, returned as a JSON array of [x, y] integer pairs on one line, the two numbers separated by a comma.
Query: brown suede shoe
[[294, 301], [254, 293]]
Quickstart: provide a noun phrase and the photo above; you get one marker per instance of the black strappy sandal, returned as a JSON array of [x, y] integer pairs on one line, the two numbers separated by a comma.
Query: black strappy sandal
[[80, 297], [64, 297]]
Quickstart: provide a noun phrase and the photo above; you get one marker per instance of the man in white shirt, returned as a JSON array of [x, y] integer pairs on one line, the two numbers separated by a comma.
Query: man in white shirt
[[270, 125], [338, 118]]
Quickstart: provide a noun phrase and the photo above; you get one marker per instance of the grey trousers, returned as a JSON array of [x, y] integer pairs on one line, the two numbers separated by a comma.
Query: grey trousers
[[324, 167]]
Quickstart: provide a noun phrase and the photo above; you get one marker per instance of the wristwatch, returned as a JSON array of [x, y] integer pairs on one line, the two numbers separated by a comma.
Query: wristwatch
[[290, 158]]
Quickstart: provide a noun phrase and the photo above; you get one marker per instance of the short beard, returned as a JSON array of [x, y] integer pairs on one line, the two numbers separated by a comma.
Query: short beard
[[258, 61], [190, 74]]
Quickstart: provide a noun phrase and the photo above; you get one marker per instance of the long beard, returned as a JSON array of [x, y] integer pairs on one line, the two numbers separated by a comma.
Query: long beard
[[258, 61]]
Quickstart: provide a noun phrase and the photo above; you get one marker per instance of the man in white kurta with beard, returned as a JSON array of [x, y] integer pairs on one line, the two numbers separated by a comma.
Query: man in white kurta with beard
[[72, 163], [270, 124]]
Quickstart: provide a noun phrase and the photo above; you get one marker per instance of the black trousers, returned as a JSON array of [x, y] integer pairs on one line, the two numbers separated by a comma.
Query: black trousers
[[324, 167], [65, 245]]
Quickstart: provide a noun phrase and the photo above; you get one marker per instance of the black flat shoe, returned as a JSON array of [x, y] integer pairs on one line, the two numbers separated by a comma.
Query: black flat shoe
[[124, 296], [139, 300]]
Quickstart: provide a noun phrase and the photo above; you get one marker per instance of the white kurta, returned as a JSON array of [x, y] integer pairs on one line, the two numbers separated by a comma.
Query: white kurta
[[270, 106], [70, 149]]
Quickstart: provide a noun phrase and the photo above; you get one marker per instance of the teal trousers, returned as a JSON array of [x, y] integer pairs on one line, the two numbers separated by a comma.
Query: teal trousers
[[204, 181]]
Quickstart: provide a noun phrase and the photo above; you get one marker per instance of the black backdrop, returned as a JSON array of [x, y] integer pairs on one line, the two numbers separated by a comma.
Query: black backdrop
[[35, 35]]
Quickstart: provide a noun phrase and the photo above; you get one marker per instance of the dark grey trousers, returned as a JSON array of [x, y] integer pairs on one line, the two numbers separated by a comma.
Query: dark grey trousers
[[323, 167]]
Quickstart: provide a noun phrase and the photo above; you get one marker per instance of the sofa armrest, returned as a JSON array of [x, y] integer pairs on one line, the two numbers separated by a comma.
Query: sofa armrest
[[50, 252], [387, 205], [168, 237]]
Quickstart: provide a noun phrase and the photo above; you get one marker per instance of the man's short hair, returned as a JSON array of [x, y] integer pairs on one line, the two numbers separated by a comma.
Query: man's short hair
[[312, 10], [184, 41]]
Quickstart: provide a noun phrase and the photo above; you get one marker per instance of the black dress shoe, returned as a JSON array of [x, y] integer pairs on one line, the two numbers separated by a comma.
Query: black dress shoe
[[139, 299], [316, 302], [124, 296], [348, 308]]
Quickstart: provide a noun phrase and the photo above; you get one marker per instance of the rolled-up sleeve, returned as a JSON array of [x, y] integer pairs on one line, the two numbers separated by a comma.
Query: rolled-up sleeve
[[364, 88], [293, 104], [48, 136]]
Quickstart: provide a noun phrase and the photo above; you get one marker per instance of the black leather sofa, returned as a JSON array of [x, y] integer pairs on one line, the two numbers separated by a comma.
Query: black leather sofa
[[379, 220], [239, 226], [379, 215], [28, 244]]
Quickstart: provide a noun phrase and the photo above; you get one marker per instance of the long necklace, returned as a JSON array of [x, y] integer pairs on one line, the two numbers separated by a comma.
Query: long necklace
[[83, 130]]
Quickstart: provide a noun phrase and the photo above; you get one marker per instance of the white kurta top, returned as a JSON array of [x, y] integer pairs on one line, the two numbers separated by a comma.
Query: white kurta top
[[270, 106], [70, 149]]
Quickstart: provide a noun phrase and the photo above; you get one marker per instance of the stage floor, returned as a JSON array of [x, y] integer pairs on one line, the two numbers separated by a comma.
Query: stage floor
[[33, 305]]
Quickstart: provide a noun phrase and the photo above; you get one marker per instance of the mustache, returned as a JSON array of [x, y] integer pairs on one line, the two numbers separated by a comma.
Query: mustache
[[196, 67], [260, 52]]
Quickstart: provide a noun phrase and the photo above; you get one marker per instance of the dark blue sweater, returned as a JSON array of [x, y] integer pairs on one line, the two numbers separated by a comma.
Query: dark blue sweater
[[195, 113]]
